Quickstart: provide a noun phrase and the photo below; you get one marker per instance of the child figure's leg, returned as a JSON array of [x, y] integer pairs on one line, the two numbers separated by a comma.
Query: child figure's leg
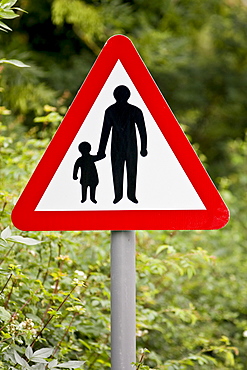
[[92, 194], [83, 193]]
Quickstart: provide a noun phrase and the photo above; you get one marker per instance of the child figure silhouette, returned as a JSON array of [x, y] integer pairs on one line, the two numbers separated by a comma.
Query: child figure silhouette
[[89, 176]]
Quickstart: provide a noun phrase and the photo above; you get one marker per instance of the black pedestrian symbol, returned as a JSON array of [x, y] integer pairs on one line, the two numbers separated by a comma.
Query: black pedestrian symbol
[[122, 119], [89, 176]]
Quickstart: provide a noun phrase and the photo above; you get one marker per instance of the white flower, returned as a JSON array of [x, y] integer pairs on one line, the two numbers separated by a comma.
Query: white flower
[[81, 274]]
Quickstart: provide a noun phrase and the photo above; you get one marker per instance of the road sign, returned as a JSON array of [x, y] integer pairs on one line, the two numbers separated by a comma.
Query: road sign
[[119, 160]]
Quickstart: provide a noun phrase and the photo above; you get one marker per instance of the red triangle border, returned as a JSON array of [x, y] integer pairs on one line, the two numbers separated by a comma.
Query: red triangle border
[[24, 215]]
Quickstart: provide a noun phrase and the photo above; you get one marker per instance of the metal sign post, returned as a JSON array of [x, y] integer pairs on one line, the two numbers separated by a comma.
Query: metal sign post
[[123, 300]]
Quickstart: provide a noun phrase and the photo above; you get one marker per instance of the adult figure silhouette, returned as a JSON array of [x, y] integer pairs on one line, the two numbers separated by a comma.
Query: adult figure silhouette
[[123, 118]]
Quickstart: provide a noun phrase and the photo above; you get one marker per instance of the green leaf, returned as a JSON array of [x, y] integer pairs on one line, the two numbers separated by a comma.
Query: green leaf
[[21, 361], [4, 27], [21, 10], [29, 352], [43, 353], [8, 14], [51, 117], [14, 62], [85, 344], [52, 364], [71, 364], [230, 361], [8, 3], [6, 233], [22, 240], [39, 367], [4, 314], [39, 360], [160, 249]]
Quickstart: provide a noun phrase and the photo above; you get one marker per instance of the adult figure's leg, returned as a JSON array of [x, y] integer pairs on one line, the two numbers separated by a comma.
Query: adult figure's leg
[[118, 160], [131, 166]]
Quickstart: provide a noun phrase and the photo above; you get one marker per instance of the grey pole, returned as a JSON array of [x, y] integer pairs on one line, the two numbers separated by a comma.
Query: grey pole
[[123, 300]]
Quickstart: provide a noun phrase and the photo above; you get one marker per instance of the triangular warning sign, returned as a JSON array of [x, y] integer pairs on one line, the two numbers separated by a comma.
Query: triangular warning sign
[[119, 160]]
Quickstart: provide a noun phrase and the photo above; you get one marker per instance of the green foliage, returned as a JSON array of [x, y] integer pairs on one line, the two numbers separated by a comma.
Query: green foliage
[[86, 20], [14, 62], [191, 285], [18, 91], [39, 360], [57, 293], [195, 51], [7, 12]]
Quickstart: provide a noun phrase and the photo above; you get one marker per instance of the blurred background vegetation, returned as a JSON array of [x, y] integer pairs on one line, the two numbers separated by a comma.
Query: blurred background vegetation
[[192, 286]]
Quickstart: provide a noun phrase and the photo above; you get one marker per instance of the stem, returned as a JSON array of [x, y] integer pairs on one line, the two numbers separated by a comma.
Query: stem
[[9, 295], [28, 301], [67, 330], [48, 266], [3, 208], [48, 321], [7, 253], [59, 265], [10, 276], [55, 290], [141, 361]]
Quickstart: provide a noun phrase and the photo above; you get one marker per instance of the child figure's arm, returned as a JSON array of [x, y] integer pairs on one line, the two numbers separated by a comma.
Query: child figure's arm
[[76, 168]]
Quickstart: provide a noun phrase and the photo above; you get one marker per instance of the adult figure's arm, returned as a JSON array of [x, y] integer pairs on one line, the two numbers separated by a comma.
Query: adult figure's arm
[[95, 158], [142, 131], [106, 129]]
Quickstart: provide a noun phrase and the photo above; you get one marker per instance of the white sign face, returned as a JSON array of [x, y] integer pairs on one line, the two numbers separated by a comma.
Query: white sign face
[[161, 181]]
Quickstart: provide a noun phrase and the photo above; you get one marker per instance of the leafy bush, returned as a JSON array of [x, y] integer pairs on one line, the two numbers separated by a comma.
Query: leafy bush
[[55, 288]]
